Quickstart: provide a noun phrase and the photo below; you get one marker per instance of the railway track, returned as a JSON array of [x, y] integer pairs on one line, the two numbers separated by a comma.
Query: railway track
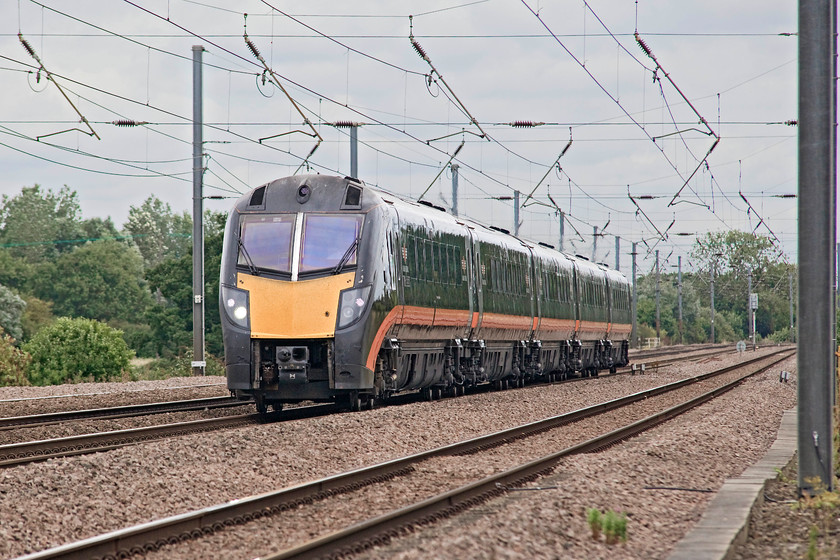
[[14, 454], [377, 530], [31, 451], [664, 358], [15, 422], [101, 393]]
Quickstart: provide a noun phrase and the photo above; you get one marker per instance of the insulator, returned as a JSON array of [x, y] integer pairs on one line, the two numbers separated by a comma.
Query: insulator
[[524, 124], [26, 46], [643, 45], [254, 50], [127, 122], [792, 123], [419, 49], [344, 124]]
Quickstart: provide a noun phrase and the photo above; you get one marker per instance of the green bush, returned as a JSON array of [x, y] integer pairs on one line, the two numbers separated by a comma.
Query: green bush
[[138, 336], [13, 363], [75, 350]]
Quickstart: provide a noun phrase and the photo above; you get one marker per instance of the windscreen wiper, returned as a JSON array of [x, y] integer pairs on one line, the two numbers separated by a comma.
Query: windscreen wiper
[[347, 254], [251, 267]]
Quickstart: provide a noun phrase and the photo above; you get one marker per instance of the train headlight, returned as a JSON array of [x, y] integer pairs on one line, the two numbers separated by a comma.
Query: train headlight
[[236, 306], [351, 305]]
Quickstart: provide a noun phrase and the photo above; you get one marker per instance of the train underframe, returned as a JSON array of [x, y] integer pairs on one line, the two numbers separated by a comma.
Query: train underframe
[[287, 371]]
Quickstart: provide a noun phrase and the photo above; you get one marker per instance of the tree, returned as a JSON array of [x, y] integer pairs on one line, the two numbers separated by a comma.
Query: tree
[[34, 223], [101, 280], [75, 350], [171, 280], [736, 256], [11, 310], [158, 232], [16, 272], [97, 228], [37, 315]]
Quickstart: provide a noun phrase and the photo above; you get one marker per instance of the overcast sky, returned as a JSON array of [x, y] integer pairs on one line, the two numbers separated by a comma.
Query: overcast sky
[[636, 124]]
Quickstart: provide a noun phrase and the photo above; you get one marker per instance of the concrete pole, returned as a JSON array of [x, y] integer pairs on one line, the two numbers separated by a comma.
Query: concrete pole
[[617, 253], [657, 294], [594, 242], [679, 296], [516, 213], [817, 223], [562, 229], [634, 334], [792, 335], [750, 312], [354, 151], [198, 363], [454, 167], [712, 282]]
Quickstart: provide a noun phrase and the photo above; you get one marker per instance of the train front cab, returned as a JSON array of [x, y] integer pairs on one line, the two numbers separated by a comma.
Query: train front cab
[[289, 284]]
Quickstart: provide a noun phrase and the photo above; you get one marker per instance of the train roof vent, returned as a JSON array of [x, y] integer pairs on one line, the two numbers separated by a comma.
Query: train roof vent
[[430, 205], [502, 230], [582, 257], [352, 197], [258, 197], [546, 245]]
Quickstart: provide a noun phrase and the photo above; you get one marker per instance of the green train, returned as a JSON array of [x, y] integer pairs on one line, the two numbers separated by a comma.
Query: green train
[[333, 291]]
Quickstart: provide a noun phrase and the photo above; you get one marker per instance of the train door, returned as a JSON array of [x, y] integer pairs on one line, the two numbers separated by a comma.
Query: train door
[[474, 275], [535, 279], [576, 295], [400, 255]]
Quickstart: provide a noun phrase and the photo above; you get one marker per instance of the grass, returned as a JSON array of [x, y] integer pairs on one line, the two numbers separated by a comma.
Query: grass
[[164, 368], [612, 524]]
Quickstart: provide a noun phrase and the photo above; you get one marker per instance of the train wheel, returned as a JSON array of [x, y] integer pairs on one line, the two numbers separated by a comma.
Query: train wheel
[[437, 393], [355, 401], [370, 402], [276, 406], [426, 394]]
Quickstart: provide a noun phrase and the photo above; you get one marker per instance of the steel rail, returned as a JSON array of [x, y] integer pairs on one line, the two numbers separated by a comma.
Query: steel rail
[[13, 454], [100, 393], [659, 360], [127, 411], [380, 530], [171, 530]]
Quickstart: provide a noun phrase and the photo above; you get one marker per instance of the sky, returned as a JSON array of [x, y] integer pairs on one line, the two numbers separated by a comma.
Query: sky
[[656, 145]]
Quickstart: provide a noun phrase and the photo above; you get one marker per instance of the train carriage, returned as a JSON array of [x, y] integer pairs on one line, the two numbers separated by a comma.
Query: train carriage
[[335, 291]]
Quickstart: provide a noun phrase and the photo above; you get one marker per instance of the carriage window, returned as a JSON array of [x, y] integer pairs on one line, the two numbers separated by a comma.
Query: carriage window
[[445, 259], [329, 240], [266, 241]]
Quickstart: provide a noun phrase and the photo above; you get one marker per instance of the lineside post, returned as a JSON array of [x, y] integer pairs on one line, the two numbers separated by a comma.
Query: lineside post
[[816, 245], [198, 362]]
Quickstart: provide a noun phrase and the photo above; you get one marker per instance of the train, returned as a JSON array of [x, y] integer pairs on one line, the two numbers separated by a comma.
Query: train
[[334, 291]]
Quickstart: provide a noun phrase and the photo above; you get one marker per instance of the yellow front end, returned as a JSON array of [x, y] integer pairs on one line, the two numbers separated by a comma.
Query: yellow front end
[[304, 309]]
